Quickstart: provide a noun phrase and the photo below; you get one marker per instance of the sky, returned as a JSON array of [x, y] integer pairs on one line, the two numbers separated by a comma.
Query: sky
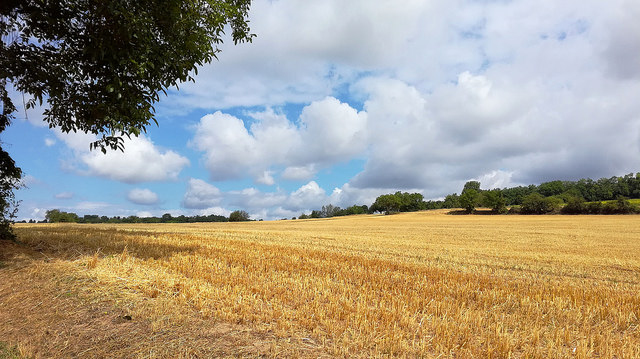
[[337, 102]]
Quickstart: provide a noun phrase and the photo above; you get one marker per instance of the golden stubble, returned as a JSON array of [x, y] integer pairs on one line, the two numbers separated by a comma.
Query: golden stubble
[[422, 284]]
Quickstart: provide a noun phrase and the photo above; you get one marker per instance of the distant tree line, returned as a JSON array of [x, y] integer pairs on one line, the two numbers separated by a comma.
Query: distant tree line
[[57, 216], [585, 196]]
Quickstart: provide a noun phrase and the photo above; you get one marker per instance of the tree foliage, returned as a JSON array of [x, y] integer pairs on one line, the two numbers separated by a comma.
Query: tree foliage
[[471, 185], [329, 211], [99, 66], [55, 216], [536, 203], [9, 181], [469, 199], [470, 196], [398, 202], [495, 200], [574, 205], [239, 216]]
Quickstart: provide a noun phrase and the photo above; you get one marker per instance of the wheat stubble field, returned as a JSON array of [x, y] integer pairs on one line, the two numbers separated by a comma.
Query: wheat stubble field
[[423, 284]]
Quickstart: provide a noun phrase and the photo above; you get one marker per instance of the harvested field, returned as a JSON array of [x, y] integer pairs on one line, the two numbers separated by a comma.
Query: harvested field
[[420, 284]]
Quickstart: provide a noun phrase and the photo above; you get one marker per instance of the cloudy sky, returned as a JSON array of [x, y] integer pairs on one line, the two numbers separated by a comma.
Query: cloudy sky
[[341, 101]]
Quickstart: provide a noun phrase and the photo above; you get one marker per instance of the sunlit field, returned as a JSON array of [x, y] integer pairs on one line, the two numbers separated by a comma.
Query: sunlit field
[[420, 284]]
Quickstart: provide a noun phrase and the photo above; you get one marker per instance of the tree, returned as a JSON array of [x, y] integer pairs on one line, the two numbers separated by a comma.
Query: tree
[[329, 211], [469, 199], [451, 201], [100, 65], [495, 200], [470, 196], [575, 205], [9, 181], [387, 203], [474, 185], [552, 188], [535, 203], [238, 216], [55, 215]]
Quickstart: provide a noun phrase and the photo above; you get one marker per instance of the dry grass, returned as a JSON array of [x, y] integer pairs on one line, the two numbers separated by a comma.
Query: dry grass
[[410, 285]]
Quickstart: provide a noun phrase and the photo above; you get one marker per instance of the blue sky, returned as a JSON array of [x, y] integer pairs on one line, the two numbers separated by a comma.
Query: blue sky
[[339, 102]]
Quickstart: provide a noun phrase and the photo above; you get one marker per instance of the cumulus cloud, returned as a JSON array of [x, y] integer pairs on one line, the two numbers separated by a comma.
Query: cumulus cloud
[[142, 196], [329, 132], [142, 160], [200, 195], [299, 172], [307, 196], [144, 214], [492, 124], [218, 211]]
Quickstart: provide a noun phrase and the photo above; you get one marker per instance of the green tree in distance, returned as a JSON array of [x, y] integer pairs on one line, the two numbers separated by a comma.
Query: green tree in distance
[[55, 216], [470, 196], [238, 216], [495, 200], [99, 66], [474, 185]]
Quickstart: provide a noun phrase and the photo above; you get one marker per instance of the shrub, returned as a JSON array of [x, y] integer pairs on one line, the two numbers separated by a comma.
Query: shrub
[[535, 203], [594, 208], [624, 206], [575, 205]]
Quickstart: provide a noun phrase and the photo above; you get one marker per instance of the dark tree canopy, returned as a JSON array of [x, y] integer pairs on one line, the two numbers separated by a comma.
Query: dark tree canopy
[[239, 216], [470, 196], [98, 66]]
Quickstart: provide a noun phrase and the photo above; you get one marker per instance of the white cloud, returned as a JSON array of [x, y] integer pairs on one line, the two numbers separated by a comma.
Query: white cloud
[[37, 214], [496, 179], [77, 141], [200, 195], [332, 132], [329, 132], [49, 142], [306, 197], [64, 195], [89, 206], [144, 214], [299, 173], [218, 211], [142, 196], [266, 178], [251, 198], [141, 160]]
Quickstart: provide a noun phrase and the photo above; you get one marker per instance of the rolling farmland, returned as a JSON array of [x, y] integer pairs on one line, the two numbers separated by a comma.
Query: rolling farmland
[[422, 284]]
